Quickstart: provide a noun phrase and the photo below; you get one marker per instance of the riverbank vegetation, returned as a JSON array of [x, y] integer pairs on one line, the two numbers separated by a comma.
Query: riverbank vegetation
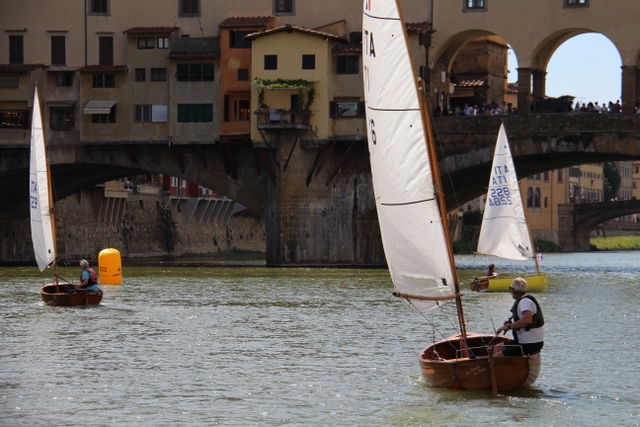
[[615, 243]]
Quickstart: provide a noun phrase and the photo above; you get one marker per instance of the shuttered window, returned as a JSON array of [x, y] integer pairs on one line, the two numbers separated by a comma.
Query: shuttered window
[[16, 50], [58, 56], [106, 50]]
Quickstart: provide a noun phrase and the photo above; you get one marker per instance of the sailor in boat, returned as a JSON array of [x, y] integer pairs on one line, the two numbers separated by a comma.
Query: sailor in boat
[[526, 323], [491, 272], [88, 278]]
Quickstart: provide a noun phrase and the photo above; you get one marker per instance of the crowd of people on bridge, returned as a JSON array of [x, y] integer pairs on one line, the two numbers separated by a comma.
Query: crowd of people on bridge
[[486, 109], [493, 109], [592, 107]]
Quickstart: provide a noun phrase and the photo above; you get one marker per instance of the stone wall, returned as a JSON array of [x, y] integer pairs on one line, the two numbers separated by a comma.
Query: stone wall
[[137, 226]]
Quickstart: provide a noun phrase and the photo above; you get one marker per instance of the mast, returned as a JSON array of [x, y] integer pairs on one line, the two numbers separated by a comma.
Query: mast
[[437, 180], [533, 244]]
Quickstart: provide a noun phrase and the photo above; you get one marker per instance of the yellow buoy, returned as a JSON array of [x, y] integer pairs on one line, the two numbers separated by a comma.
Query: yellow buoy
[[110, 267]]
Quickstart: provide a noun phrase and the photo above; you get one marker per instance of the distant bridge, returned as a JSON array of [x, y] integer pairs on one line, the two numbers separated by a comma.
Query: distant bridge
[[576, 221]]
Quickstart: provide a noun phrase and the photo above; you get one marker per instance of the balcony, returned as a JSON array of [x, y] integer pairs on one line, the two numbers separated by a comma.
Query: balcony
[[283, 119]]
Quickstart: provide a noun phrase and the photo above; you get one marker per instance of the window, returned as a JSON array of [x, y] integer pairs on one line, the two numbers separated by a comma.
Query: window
[[189, 7], [104, 81], [470, 6], [106, 50], [58, 50], [195, 113], [105, 118], [8, 82], [64, 78], [536, 198], [16, 50], [348, 64], [14, 119], [241, 109], [545, 203], [237, 40], [283, 7], [529, 197], [146, 42], [577, 2], [141, 75], [560, 172], [347, 109], [271, 62], [158, 75], [545, 176], [142, 113], [195, 72], [308, 62], [99, 6], [62, 118], [163, 42], [243, 74]]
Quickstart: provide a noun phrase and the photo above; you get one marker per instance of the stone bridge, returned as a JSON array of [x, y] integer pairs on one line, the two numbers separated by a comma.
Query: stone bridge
[[576, 221], [305, 190]]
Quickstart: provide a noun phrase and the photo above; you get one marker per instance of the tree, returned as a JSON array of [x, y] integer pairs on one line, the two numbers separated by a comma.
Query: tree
[[611, 181]]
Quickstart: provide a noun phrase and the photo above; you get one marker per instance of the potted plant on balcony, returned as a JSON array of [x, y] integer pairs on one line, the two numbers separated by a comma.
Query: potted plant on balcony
[[306, 99]]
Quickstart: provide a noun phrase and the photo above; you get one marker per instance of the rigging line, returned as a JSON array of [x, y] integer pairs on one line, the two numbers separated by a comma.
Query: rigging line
[[453, 190], [433, 326]]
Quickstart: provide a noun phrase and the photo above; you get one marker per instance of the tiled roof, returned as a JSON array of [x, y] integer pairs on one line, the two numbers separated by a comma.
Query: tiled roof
[[116, 68], [417, 27], [19, 68], [348, 48], [151, 30], [290, 28], [201, 47], [241, 21]]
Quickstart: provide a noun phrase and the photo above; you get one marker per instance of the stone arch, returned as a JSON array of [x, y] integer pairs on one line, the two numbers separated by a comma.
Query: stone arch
[[533, 68], [442, 62]]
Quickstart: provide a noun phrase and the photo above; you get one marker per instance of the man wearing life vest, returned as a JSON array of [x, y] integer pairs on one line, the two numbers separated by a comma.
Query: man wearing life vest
[[88, 278], [526, 323]]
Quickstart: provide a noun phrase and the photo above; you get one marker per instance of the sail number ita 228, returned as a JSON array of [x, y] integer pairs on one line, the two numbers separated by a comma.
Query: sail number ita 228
[[500, 196], [34, 194]]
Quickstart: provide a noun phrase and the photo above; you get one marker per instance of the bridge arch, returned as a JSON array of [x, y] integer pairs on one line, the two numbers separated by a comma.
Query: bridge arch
[[238, 175], [578, 220]]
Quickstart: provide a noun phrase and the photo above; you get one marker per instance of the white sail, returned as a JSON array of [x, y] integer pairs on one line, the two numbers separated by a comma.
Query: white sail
[[41, 221], [411, 227], [504, 231]]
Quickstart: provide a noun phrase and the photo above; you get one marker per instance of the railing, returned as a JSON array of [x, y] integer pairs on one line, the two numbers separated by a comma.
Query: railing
[[281, 118]]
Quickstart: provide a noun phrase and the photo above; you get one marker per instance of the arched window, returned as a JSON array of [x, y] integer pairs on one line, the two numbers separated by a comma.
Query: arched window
[[536, 199], [529, 198]]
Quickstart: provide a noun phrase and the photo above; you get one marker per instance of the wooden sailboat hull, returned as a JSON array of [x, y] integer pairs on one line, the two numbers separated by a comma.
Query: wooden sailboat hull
[[58, 295], [535, 283], [442, 365]]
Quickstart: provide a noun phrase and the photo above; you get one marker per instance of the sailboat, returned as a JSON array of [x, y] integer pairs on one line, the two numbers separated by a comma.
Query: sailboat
[[411, 210], [505, 232], [43, 221]]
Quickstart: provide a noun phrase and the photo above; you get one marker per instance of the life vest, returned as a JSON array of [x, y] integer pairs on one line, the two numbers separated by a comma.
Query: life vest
[[93, 278], [537, 318]]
